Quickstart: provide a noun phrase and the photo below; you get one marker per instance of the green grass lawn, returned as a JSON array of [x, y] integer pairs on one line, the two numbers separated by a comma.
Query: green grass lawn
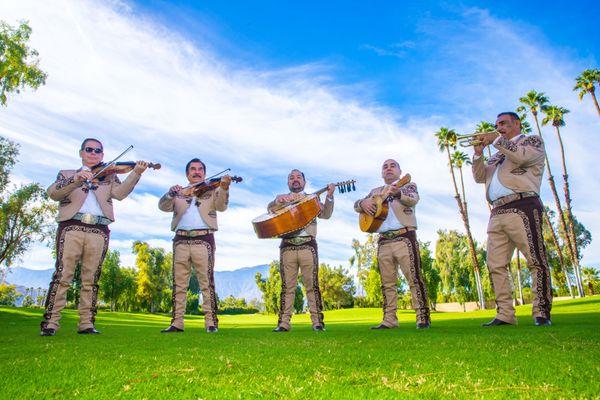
[[455, 358]]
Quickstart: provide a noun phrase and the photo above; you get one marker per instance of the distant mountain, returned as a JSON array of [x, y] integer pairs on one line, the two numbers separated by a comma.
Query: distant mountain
[[30, 277], [238, 283]]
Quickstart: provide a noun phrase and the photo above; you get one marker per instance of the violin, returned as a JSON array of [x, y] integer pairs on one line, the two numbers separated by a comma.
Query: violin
[[103, 170], [198, 189]]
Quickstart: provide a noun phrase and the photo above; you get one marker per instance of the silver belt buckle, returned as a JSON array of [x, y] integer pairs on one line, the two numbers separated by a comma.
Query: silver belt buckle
[[89, 219]]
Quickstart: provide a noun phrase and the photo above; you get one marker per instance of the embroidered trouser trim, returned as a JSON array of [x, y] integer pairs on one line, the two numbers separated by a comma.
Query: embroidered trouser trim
[[199, 253], [76, 243], [303, 258], [401, 251], [518, 225]]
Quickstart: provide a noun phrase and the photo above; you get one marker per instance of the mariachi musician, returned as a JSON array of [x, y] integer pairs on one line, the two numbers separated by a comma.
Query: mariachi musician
[[298, 251], [397, 245], [512, 177], [194, 222], [85, 210]]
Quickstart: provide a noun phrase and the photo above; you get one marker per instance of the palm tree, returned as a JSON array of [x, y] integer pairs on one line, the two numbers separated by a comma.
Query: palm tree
[[533, 102], [525, 125], [458, 159], [526, 129], [555, 115], [586, 84], [446, 138], [590, 275]]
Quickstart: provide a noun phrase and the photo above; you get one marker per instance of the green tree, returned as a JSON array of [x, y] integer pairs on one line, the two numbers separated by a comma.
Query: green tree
[[446, 138], [8, 295], [337, 287], [298, 300], [431, 274], [75, 288], [28, 301], [452, 259], [586, 83], [112, 279], [19, 64], [560, 268], [369, 279], [590, 278], [270, 288], [26, 213], [128, 300], [153, 279], [364, 258]]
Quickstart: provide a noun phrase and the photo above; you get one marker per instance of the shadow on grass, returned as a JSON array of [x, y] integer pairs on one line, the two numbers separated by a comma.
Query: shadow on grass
[[564, 316]]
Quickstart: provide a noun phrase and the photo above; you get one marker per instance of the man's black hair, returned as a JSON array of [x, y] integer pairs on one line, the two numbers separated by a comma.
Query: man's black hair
[[193, 160], [89, 139]]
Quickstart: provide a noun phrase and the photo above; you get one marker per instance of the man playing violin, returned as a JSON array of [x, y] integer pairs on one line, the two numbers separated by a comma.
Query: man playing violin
[[85, 211], [512, 177], [298, 251], [397, 246], [194, 222]]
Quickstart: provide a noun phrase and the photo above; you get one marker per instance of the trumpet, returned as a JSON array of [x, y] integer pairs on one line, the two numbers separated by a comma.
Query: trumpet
[[473, 138]]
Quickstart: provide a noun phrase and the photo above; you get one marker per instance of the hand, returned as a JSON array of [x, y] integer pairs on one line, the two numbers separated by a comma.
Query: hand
[[394, 191], [369, 206], [286, 198], [83, 176], [478, 150], [140, 167], [174, 190], [488, 138], [330, 190], [225, 182]]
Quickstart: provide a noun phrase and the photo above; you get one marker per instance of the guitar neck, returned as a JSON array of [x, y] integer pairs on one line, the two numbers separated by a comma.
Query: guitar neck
[[321, 191], [339, 184]]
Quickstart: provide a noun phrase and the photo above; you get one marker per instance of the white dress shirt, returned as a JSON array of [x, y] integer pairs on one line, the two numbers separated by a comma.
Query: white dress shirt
[[391, 223], [91, 205], [191, 219]]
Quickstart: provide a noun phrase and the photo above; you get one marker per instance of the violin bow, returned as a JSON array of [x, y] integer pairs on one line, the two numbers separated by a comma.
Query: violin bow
[[89, 181]]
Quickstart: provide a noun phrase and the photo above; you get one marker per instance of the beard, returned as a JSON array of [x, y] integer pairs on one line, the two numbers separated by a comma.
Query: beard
[[296, 187]]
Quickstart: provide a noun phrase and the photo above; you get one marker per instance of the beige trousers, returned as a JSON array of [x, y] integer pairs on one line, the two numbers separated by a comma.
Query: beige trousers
[[518, 224], [198, 253], [76, 242], [303, 258], [401, 251]]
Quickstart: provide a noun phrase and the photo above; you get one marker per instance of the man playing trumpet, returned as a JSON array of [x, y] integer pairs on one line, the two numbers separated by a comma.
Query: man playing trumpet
[[512, 177]]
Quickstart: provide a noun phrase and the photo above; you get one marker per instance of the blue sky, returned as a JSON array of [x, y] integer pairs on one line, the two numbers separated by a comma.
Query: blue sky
[[395, 48], [264, 87]]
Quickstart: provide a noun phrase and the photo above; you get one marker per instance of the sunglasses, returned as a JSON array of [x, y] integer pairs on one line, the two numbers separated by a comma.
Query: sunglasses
[[96, 150]]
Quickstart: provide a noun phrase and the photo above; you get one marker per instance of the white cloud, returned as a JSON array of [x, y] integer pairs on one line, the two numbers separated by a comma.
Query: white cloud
[[128, 80]]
